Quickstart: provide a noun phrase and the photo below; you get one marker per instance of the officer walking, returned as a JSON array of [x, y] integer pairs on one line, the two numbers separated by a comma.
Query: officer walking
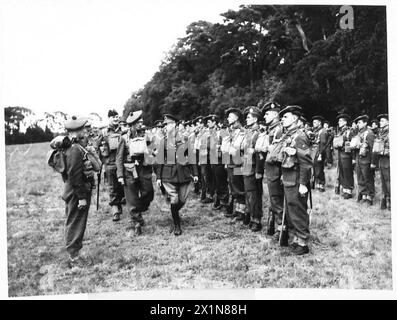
[[381, 159], [252, 171], [134, 172], [108, 144], [296, 169], [363, 143], [79, 182], [175, 173], [319, 152]]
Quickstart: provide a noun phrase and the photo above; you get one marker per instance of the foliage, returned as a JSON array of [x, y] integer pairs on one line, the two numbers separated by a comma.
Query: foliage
[[294, 54]]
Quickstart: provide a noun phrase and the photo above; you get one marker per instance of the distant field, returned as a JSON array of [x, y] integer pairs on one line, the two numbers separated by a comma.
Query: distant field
[[350, 247]]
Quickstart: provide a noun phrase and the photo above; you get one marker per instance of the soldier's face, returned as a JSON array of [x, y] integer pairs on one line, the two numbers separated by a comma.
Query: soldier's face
[[288, 119], [361, 124], [341, 122], [374, 125], [211, 124], [383, 122], [114, 120], [170, 126], [316, 123], [251, 119], [232, 118], [326, 126], [270, 116]]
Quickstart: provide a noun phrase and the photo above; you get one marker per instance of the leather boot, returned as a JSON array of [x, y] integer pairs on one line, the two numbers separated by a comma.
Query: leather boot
[[270, 223], [388, 203], [284, 237], [337, 190], [229, 209], [115, 213], [247, 219], [176, 219]]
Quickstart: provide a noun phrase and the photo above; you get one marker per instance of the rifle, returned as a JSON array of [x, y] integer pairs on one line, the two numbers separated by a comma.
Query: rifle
[[97, 191], [283, 240], [310, 201]]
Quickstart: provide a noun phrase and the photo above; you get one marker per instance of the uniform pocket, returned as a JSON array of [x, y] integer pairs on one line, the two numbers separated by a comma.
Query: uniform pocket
[[290, 177]]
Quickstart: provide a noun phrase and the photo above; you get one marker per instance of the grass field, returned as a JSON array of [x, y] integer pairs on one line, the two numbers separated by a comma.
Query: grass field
[[350, 245]]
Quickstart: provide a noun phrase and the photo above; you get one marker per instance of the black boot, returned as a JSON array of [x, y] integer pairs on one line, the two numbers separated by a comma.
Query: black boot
[[337, 190], [247, 219], [270, 223], [217, 203], [388, 203], [229, 209], [284, 237], [176, 219], [383, 204]]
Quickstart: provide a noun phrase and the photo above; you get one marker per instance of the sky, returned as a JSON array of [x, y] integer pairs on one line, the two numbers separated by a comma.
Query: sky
[[88, 56]]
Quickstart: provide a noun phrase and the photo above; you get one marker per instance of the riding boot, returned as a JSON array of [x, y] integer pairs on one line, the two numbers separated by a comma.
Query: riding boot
[[176, 219], [270, 223], [383, 203]]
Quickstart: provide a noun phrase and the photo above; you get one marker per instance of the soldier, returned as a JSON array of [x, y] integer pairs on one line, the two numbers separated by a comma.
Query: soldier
[[107, 145], [341, 143], [273, 169], [363, 143], [296, 169], [375, 126], [218, 171], [252, 171], [79, 181], [231, 146], [381, 159], [319, 152], [198, 125], [175, 173], [133, 170], [328, 146]]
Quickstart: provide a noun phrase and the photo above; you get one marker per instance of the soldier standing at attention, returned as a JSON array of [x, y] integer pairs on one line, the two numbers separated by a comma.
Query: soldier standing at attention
[[107, 145], [273, 169], [77, 189], [218, 171], [175, 173], [133, 172], [296, 168], [252, 171], [381, 159], [363, 143], [341, 143], [328, 147], [319, 152]]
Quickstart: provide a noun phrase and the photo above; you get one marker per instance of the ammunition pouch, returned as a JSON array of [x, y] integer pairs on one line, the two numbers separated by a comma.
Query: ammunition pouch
[[338, 142]]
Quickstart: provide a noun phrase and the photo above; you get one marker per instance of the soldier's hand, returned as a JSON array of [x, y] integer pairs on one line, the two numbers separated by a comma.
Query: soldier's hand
[[258, 176], [303, 190], [373, 166], [158, 181], [319, 158], [82, 204], [121, 181], [195, 179]]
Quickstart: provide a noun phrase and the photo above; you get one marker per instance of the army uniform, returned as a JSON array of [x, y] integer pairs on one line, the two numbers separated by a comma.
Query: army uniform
[[218, 171], [175, 173], [107, 146], [319, 154], [296, 170], [136, 173], [273, 177], [207, 179], [341, 143], [78, 184], [381, 159], [231, 146], [252, 166], [363, 145]]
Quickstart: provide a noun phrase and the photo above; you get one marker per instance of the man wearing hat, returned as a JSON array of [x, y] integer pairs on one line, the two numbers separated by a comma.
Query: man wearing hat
[[273, 169], [175, 172], [252, 170], [341, 143], [364, 145], [133, 170], [233, 160], [381, 158], [328, 147], [218, 172], [319, 144], [77, 188], [296, 170], [375, 126], [107, 145]]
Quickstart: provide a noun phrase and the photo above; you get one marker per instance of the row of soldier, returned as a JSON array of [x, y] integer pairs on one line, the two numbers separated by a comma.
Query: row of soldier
[[226, 165]]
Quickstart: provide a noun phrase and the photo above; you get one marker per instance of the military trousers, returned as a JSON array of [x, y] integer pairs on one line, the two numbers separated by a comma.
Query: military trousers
[[296, 213], [384, 168], [116, 190], [178, 192], [219, 173], [236, 185], [138, 191], [318, 167], [276, 190], [76, 221], [365, 179], [345, 170], [253, 195], [207, 181]]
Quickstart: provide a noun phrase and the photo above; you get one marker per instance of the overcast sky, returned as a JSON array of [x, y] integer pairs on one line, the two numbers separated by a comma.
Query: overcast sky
[[87, 56]]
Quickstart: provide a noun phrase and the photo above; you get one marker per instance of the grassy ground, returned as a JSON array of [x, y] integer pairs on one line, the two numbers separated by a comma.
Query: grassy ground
[[350, 247]]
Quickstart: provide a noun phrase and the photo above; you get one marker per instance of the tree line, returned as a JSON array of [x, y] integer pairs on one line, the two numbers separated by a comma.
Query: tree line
[[290, 54]]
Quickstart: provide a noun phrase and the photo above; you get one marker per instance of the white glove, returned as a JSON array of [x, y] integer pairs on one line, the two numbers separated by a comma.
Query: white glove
[[82, 204], [158, 181], [121, 181], [302, 189]]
